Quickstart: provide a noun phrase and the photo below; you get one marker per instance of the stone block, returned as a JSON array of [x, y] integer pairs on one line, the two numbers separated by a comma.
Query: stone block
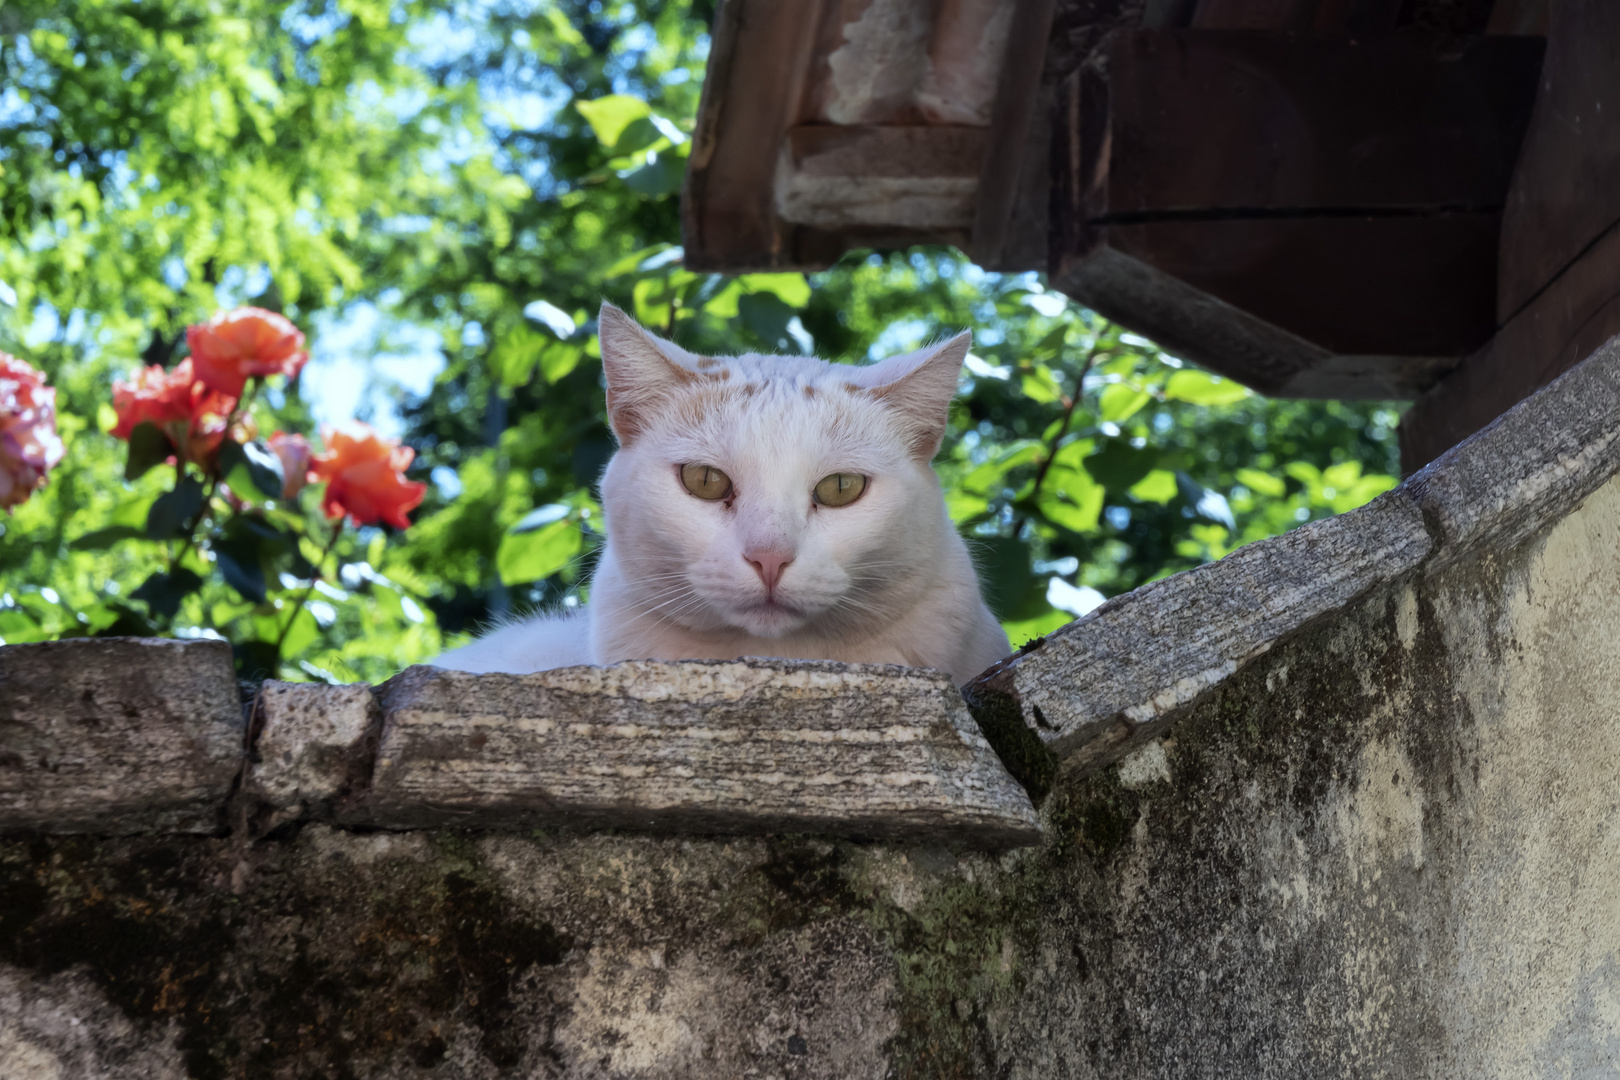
[[117, 735], [1099, 687], [1532, 465], [313, 745], [753, 746]]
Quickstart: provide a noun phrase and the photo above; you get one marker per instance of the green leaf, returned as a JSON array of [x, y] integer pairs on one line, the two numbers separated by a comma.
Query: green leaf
[[537, 554], [1041, 385], [609, 116], [1158, 486], [792, 289], [162, 592], [658, 178], [638, 134], [240, 564], [1071, 499], [173, 512], [148, 446], [514, 357], [766, 315], [1262, 483], [1023, 631], [251, 466], [1121, 401], [102, 539], [1201, 388], [989, 475], [1011, 588], [558, 360], [1117, 465]]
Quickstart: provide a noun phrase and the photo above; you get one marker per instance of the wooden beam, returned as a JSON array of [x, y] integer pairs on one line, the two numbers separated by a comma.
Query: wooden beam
[[918, 179], [759, 57], [1008, 155], [1558, 292], [1566, 191], [1333, 197]]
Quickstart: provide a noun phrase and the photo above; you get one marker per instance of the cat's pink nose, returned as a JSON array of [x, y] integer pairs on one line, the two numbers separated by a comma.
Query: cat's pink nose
[[768, 565]]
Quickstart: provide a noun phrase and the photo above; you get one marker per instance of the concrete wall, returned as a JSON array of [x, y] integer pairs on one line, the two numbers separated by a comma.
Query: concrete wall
[[1388, 844]]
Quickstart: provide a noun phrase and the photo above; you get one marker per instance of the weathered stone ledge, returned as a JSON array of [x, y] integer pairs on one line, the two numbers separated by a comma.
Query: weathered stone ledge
[[134, 735], [1087, 695]]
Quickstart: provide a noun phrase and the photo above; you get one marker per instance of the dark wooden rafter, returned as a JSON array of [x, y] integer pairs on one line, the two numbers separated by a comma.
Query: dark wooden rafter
[[1558, 293], [1335, 200]]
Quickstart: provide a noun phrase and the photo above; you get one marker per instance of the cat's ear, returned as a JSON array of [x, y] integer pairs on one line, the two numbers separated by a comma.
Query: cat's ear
[[641, 369], [919, 386]]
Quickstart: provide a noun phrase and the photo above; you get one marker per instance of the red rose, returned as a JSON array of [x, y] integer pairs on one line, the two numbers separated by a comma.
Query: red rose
[[235, 346], [294, 452], [365, 477], [191, 415], [29, 446]]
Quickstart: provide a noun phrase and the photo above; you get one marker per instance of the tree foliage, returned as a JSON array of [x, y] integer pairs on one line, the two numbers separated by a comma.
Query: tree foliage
[[487, 173]]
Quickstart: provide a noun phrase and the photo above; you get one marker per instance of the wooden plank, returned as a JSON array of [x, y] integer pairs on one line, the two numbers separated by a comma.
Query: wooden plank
[[1326, 237], [863, 150], [1199, 121], [1007, 157], [751, 96], [920, 180], [754, 746], [1384, 286], [1566, 190], [1557, 298], [1560, 327], [117, 735]]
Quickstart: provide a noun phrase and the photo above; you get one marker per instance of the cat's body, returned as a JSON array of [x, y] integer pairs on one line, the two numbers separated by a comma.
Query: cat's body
[[732, 530]]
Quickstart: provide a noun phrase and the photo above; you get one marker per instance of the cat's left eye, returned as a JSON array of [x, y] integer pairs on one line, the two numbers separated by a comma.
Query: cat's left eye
[[839, 489]]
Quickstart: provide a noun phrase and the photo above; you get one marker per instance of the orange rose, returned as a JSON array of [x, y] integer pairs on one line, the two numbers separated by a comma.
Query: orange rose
[[29, 446], [365, 477], [191, 415], [293, 450], [235, 346]]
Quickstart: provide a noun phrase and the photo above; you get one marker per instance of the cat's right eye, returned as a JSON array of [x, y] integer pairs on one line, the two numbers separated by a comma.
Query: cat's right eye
[[706, 482]]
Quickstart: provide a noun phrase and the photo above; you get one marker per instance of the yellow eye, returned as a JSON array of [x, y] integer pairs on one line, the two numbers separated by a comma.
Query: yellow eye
[[839, 489], [706, 481]]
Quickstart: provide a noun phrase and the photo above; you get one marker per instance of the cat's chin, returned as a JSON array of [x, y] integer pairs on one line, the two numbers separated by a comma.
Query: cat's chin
[[768, 619]]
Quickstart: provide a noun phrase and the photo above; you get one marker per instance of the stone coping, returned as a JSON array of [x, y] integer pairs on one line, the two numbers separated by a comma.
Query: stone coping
[[131, 735], [135, 735], [1090, 693]]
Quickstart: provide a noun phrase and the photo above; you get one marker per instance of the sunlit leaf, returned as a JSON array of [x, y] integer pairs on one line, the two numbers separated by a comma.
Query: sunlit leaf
[[1040, 385], [531, 556], [1201, 388], [1158, 486], [1262, 483], [610, 115], [792, 289], [1119, 402]]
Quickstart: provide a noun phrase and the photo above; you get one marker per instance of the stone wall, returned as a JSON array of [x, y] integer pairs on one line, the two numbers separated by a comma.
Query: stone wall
[[1381, 840]]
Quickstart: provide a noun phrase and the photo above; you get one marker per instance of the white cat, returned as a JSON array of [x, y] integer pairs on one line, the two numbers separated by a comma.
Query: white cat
[[768, 506]]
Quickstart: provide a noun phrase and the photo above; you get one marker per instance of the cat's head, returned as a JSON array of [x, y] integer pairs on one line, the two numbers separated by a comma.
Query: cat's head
[[772, 494]]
